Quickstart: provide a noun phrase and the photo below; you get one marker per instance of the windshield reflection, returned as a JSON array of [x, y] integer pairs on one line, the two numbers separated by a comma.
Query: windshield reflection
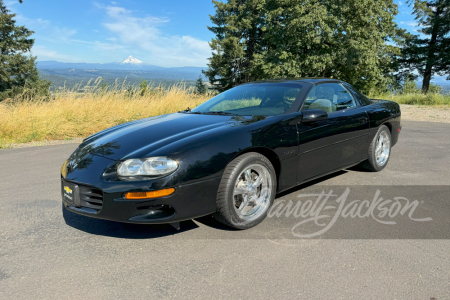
[[263, 99]]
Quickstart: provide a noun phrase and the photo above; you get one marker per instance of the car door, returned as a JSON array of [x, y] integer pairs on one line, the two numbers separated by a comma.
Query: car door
[[333, 143]]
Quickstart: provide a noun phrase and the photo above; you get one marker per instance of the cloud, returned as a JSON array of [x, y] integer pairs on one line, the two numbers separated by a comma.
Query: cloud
[[10, 3], [49, 31], [100, 46], [44, 54], [63, 33], [145, 33], [410, 23], [32, 24]]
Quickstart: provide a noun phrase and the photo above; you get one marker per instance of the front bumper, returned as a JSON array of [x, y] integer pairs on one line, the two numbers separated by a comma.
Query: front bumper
[[188, 202], [93, 196]]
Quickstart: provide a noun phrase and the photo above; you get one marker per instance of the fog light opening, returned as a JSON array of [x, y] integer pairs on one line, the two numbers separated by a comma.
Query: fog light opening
[[154, 212]]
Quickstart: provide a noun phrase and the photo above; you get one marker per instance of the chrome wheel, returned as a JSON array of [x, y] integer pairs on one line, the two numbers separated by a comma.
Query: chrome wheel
[[383, 148], [252, 191]]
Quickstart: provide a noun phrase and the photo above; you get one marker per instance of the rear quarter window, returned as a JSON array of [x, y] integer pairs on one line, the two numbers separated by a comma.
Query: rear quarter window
[[363, 100]]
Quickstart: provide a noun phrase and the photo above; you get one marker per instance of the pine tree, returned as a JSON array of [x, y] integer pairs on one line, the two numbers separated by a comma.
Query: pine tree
[[200, 86], [18, 71], [409, 85], [238, 33], [263, 39], [345, 40], [429, 55]]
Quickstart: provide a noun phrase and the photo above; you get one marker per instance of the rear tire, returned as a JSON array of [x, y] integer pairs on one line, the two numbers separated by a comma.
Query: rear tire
[[246, 191], [379, 151]]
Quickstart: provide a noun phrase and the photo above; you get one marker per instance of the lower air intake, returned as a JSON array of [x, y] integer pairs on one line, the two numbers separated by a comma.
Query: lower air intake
[[91, 198]]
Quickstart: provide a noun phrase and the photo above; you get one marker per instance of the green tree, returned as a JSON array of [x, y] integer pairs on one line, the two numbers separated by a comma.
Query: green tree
[[18, 72], [143, 86], [409, 86], [238, 30], [429, 53], [102, 85], [263, 39], [200, 86]]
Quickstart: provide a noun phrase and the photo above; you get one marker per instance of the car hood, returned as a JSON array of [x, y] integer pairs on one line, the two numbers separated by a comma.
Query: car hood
[[148, 136]]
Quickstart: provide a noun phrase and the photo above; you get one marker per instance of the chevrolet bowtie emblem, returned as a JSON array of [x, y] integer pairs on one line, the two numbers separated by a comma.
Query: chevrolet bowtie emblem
[[68, 190]]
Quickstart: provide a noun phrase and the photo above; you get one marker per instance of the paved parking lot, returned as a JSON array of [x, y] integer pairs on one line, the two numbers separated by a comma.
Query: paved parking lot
[[49, 253]]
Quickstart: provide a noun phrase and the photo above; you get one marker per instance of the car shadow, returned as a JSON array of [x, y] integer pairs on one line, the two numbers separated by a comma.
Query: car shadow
[[148, 231], [123, 230], [310, 183], [213, 223], [358, 168]]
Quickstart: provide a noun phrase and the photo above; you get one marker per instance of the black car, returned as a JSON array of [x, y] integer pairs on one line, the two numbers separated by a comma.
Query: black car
[[229, 156]]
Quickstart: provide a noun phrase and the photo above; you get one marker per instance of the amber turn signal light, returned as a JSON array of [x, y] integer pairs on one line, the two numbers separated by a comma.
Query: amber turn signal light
[[149, 195]]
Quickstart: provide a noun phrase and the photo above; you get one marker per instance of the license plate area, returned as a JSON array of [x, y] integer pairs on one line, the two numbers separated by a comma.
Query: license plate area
[[70, 193]]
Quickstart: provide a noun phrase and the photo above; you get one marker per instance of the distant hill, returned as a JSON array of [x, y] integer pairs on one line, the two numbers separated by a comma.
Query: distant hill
[[438, 80], [446, 89], [131, 69], [130, 64]]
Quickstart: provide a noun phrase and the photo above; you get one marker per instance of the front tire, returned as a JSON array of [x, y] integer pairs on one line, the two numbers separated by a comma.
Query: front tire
[[379, 151], [246, 191]]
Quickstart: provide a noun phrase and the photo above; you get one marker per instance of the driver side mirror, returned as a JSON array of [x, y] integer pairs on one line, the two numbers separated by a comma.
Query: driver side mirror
[[313, 115]]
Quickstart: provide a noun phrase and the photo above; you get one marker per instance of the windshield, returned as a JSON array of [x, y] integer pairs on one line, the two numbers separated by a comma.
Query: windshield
[[262, 99]]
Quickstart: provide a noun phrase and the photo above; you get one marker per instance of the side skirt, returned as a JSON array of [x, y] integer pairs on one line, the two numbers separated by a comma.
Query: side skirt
[[321, 175]]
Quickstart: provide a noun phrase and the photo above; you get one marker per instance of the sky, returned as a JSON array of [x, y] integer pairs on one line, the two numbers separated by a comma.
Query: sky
[[167, 33]]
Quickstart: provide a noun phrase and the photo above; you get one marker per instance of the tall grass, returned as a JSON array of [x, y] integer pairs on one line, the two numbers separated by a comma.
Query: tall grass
[[416, 98], [87, 109], [72, 114]]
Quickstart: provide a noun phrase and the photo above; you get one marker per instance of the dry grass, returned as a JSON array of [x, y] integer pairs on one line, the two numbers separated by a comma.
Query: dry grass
[[71, 115], [416, 98]]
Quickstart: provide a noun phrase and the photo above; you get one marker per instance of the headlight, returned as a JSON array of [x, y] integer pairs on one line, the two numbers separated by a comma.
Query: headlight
[[147, 166]]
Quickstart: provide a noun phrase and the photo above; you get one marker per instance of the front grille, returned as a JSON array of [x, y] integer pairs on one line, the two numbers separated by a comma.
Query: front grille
[[91, 197]]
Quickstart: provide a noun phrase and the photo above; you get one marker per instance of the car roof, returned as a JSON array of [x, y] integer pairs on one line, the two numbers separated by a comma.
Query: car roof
[[312, 80]]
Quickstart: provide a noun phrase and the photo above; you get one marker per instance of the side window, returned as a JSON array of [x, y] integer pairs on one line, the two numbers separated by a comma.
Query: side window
[[363, 100], [329, 97]]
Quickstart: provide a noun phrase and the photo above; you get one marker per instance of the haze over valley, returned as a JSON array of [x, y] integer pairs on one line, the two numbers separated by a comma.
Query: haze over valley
[[131, 69]]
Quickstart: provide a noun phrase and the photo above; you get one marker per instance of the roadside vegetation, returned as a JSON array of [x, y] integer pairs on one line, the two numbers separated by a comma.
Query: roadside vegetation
[[71, 114], [253, 40], [435, 99], [410, 94]]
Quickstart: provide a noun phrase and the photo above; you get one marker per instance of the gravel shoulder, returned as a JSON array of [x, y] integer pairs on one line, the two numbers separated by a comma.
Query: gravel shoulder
[[440, 114]]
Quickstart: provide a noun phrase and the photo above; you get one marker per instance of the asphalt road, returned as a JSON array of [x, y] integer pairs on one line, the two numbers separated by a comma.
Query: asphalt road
[[49, 253]]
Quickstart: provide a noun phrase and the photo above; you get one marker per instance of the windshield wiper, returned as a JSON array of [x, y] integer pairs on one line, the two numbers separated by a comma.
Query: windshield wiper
[[218, 113], [188, 110]]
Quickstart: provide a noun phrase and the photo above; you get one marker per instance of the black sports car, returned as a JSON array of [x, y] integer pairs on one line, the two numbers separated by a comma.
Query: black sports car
[[229, 156]]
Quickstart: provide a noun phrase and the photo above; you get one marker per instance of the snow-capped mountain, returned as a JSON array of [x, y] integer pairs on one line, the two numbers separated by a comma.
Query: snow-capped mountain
[[132, 60], [117, 69]]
